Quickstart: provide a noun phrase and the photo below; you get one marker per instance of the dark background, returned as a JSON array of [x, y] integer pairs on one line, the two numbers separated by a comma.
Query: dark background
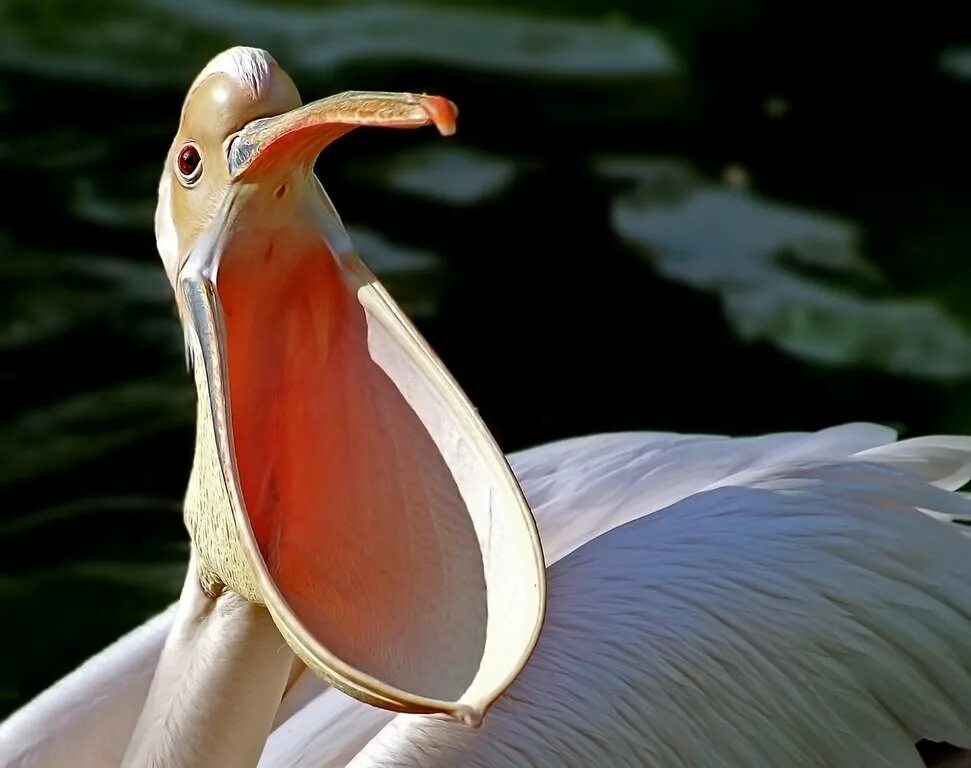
[[689, 215]]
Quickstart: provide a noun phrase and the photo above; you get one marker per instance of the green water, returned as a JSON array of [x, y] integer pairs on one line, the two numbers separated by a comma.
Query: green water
[[694, 216]]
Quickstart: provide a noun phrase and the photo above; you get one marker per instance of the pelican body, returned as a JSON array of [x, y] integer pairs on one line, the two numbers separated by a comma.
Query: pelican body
[[797, 599]]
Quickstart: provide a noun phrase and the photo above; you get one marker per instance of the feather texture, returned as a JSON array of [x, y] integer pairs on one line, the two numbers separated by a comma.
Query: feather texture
[[814, 617]]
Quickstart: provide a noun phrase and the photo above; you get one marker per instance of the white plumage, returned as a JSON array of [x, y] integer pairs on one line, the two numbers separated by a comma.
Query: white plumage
[[796, 600], [248, 66]]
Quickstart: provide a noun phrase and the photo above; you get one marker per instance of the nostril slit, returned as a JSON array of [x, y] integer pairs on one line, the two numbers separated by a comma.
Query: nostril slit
[[281, 191]]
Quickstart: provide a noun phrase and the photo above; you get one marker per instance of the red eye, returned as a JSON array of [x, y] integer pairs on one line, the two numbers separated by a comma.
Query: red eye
[[190, 162]]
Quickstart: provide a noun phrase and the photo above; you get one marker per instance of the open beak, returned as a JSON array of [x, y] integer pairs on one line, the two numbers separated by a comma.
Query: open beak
[[302, 133], [368, 506]]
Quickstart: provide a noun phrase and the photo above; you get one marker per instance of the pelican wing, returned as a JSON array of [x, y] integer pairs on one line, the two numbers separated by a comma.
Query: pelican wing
[[584, 486], [807, 613]]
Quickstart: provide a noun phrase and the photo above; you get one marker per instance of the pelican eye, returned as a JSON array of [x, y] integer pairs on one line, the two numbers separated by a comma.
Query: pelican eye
[[189, 164]]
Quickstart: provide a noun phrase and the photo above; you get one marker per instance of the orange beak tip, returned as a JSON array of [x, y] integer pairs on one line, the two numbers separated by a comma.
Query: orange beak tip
[[442, 113]]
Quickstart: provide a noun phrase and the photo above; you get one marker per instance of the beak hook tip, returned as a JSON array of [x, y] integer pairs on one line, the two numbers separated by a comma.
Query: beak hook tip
[[442, 112]]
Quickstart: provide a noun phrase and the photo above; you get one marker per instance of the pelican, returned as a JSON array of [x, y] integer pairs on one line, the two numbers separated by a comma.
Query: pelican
[[373, 584]]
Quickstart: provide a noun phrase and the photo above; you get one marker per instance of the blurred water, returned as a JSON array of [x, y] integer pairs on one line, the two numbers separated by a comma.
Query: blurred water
[[784, 274], [698, 217]]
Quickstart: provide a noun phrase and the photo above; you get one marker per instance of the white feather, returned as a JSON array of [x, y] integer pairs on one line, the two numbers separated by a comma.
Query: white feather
[[249, 66], [944, 460], [813, 618], [582, 487]]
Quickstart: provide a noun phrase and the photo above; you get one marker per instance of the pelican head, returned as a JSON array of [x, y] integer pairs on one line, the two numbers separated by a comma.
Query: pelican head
[[341, 478]]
